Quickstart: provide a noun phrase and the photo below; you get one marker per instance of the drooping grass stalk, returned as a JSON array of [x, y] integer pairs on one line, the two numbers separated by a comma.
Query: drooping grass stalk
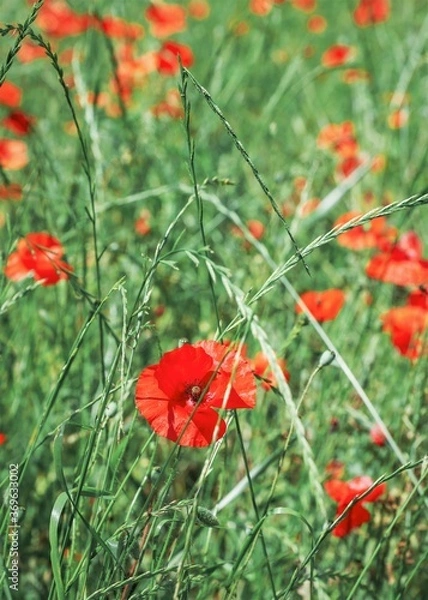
[[192, 171], [213, 106], [22, 30], [385, 478], [332, 234], [87, 168]]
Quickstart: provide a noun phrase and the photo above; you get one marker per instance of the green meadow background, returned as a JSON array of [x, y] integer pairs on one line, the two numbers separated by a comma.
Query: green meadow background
[[109, 510]]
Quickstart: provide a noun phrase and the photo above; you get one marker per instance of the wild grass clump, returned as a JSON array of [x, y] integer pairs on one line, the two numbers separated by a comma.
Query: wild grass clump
[[214, 384]]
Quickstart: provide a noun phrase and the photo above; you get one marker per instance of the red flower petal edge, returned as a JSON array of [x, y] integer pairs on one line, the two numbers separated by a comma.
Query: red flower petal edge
[[178, 395], [343, 492]]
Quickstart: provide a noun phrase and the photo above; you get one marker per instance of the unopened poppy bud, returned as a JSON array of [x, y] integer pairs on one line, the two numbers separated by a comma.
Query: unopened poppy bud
[[327, 358], [111, 409], [154, 475], [206, 517]]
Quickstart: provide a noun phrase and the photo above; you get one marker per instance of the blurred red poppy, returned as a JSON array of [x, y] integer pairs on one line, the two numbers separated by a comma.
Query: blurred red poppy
[[338, 138], [398, 118], [11, 191], [38, 255], [402, 264], [114, 27], [199, 9], [30, 52], [335, 468], [57, 19], [178, 395], [165, 19], [377, 435], [419, 298], [324, 305], [167, 57], [261, 7], [337, 55], [348, 165], [260, 366], [19, 122], [407, 326], [370, 12], [131, 71], [10, 94], [343, 492], [3, 438], [355, 75], [13, 154], [304, 5], [171, 106], [142, 224], [316, 24], [374, 234]]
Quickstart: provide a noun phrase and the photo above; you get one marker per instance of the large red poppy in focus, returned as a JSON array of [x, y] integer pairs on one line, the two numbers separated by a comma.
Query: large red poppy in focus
[[39, 255], [343, 492], [178, 396]]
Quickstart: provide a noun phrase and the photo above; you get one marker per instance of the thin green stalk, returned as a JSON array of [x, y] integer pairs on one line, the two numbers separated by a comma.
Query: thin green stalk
[[192, 170], [213, 106]]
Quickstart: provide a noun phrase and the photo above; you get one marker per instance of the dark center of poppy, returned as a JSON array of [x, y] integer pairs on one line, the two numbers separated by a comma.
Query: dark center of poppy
[[195, 392]]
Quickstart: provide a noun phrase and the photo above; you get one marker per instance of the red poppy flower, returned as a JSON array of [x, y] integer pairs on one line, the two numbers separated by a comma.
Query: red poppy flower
[[398, 118], [348, 165], [407, 327], [370, 12], [178, 395], [58, 20], [142, 224], [419, 298], [374, 234], [317, 24], [11, 191], [260, 366], [171, 106], [308, 207], [39, 255], [335, 468], [13, 154], [30, 52], [166, 19], [355, 75], [167, 57], [19, 122], [304, 5], [3, 438], [325, 305], [261, 8], [402, 264], [343, 492], [10, 94], [377, 435], [339, 138], [199, 9], [337, 55], [114, 27]]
